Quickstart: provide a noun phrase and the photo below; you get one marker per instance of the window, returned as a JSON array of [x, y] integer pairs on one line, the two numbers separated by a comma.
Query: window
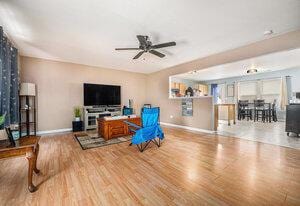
[[271, 87], [270, 90], [267, 89], [247, 88]]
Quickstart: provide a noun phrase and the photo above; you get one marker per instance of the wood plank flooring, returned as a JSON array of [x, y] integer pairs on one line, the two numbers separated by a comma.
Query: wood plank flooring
[[188, 169]]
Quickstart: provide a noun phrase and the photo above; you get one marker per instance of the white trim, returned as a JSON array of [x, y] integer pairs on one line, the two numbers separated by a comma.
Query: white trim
[[162, 123], [188, 128], [54, 131]]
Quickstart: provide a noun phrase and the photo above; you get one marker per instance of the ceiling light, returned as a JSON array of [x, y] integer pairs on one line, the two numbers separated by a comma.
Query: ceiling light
[[251, 71], [193, 72], [268, 32]]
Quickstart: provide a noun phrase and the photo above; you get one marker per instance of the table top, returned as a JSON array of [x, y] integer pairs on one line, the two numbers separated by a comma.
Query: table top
[[118, 119], [23, 142], [226, 104]]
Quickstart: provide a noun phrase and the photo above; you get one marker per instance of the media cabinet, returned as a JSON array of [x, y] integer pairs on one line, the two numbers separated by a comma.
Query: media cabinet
[[113, 128], [91, 113]]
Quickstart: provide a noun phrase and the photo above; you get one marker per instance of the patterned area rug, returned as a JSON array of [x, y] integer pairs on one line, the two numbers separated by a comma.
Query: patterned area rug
[[92, 140]]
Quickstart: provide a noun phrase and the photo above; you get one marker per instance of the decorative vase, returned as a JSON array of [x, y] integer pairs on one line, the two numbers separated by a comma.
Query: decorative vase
[[130, 103], [77, 119]]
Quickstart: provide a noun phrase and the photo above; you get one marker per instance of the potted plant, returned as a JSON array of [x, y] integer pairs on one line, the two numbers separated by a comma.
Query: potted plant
[[2, 119], [77, 113]]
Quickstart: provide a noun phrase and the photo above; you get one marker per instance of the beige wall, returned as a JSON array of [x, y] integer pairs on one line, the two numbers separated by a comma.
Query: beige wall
[[60, 84], [158, 94], [60, 88], [158, 82]]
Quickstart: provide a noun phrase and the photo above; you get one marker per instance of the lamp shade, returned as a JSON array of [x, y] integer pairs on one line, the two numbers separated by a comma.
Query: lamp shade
[[27, 89]]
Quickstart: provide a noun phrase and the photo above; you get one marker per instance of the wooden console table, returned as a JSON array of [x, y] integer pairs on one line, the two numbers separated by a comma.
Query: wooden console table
[[28, 146], [113, 128]]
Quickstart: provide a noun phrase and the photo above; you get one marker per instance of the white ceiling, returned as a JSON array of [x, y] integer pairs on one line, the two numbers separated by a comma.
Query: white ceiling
[[266, 63], [87, 32]]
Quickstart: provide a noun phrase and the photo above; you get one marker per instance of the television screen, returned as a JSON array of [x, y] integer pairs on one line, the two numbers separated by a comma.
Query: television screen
[[99, 94]]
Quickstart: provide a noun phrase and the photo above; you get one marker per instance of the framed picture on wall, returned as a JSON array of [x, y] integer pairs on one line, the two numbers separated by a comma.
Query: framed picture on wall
[[187, 107], [230, 90]]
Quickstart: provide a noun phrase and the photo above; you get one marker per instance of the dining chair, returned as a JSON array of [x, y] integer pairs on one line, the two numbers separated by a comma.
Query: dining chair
[[244, 110], [273, 112], [260, 111]]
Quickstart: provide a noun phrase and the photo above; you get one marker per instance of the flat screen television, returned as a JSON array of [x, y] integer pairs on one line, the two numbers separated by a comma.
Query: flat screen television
[[100, 94]]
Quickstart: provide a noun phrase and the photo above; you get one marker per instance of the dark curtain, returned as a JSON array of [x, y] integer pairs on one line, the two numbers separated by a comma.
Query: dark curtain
[[9, 81], [214, 92]]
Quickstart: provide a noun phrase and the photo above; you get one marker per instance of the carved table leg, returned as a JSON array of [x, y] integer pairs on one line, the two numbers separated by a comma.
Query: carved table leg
[[31, 157], [35, 159]]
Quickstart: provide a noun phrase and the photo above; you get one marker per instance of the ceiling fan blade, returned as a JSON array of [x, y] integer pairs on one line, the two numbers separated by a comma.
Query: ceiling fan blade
[[127, 48], [157, 53], [142, 40], [157, 46], [138, 55]]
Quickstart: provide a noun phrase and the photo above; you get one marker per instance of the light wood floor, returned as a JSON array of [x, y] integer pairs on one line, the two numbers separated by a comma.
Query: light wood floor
[[188, 169]]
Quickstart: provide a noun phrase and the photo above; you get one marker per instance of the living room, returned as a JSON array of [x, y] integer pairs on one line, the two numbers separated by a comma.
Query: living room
[[62, 63]]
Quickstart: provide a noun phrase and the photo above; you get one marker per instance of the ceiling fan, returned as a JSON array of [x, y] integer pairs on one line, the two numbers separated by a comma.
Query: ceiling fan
[[146, 46]]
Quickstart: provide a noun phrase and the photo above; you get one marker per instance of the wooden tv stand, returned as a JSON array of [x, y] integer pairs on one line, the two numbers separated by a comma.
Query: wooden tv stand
[[113, 128]]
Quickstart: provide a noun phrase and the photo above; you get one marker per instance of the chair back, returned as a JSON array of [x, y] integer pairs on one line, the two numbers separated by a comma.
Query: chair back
[[150, 116], [274, 104], [10, 136], [243, 103], [147, 105], [259, 103]]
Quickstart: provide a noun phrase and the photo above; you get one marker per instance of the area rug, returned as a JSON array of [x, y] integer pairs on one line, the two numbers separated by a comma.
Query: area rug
[[93, 140]]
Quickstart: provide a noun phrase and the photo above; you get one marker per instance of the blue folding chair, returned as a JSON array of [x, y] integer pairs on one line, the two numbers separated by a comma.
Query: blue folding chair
[[149, 131]]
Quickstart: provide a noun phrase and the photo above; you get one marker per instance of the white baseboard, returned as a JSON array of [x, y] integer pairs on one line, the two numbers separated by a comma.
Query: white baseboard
[[162, 123], [54, 131], [187, 128]]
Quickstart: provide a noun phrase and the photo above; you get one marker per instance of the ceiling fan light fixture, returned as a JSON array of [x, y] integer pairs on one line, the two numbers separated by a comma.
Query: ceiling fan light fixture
[[251, 71]]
